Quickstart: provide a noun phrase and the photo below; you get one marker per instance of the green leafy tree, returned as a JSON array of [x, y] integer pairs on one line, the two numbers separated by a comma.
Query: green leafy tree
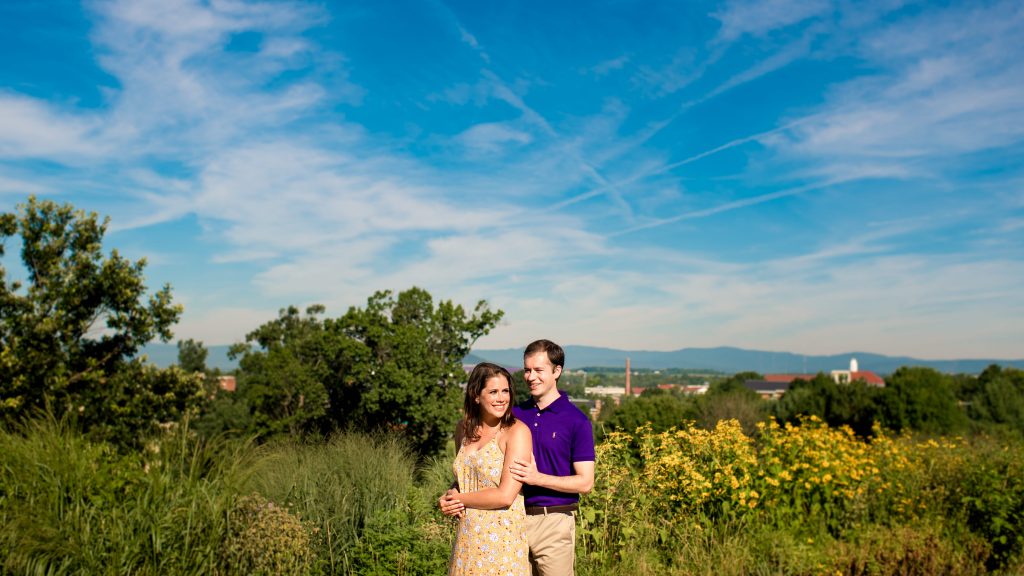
[[966, 386], [225, 412], [856, 404], [137, 399], [660, 410], [805, 398], [522, 389], [734, 383], [405, 363], [999, 398], [70, 331], [192, 355], [746, 407], [394, 365], [921, 399], [731, 399], [282, 378]]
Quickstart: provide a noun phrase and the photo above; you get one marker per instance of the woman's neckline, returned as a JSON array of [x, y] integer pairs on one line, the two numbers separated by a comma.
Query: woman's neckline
[[484, 445]]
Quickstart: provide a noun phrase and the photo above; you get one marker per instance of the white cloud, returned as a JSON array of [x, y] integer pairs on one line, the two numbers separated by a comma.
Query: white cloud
[[608, 66], [20, 187], [33, 129], [917, 305], [337, 272], [732, 205], [179, 97], [492, 137], [485, 252], [221, 325], [1010, 225], [759, 17], [288, 196], [685, 68], [777, 60], [950, 84], [177, 81]]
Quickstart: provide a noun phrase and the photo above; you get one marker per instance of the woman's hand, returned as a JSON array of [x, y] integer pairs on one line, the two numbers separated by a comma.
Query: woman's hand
[[450, 504]]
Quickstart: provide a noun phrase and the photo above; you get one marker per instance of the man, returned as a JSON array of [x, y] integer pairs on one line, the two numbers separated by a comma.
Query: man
[[562, 467], [563, 461]]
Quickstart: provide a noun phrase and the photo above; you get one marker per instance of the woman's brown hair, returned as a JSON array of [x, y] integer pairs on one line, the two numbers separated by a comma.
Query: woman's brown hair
[[478, 378]]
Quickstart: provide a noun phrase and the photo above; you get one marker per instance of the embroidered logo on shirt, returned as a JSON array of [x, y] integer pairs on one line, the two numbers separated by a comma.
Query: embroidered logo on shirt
[[553, 434]]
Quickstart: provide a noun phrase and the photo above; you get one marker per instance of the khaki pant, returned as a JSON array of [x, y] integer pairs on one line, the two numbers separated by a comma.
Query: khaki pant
[[552, 540]]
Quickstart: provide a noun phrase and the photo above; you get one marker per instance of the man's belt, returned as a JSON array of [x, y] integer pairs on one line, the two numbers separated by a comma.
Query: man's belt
[[564, 509]]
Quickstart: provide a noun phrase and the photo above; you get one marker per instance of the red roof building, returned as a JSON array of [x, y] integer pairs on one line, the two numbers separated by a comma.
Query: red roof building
[[787, 378], [227, 383], [868, 377], [839, 376]]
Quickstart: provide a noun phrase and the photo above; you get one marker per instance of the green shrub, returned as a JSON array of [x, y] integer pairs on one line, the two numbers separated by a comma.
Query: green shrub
[[394, 544], [992, 491], [338, 486], [915, 550], [777, 502], [264, 538]]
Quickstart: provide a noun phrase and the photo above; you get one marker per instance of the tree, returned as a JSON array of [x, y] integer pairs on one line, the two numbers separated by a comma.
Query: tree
[[856, 404], [999, 398], [70, 333], [283, 380], [192, 355], [805, 398], [405, 363], [921, 399], [746, 407], [522, 389], [394, 365], [731, 399], [660, 411], [734, 383]]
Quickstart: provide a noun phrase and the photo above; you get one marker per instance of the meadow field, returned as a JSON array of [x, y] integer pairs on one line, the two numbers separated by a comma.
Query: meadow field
[[803, 499]]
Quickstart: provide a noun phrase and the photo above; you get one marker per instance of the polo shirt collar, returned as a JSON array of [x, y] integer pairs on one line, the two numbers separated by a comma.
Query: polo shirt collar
[[557, 405]]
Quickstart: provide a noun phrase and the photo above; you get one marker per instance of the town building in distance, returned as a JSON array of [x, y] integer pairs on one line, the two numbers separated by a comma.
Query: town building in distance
[[773, 386]]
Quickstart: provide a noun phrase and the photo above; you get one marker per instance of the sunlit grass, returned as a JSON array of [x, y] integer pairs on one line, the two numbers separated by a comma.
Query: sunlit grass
[[788, 500]]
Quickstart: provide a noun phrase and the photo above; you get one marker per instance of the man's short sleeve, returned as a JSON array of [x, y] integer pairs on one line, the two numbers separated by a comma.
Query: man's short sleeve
[[583, 441]]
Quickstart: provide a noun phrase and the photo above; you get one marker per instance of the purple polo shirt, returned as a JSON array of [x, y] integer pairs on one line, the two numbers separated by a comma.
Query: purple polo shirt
[[562, 434]]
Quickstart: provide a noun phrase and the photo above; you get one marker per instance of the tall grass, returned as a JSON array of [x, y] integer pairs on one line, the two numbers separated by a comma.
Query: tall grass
[[338, 486], [188, 506], [806, 500], [372, 507], [70, 506]]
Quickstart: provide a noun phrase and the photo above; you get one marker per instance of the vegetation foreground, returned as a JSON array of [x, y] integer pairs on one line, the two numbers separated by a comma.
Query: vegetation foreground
[[803, 499]]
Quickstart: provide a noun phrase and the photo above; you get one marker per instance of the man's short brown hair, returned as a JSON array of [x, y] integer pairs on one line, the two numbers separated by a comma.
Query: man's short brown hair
[[555, 353]]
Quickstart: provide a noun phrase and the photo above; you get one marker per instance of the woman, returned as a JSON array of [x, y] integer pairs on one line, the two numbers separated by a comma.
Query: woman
[[491, 537]]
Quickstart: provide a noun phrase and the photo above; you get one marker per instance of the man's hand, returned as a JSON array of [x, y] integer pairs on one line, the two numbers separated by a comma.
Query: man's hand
[[581, 482], [525, 471], [450, 505]]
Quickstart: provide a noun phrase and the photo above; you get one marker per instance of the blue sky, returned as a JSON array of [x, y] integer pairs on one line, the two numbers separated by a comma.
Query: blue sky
[[808, 176]]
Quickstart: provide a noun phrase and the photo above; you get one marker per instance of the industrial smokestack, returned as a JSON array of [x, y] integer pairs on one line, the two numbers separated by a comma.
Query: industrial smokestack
[[629, 390]]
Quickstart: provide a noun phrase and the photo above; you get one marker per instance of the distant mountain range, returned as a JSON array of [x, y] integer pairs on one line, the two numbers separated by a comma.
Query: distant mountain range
[[721, 359], [731, 360]]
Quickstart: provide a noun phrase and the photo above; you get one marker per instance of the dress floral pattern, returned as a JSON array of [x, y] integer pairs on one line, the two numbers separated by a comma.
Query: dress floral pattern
[[488, 542]]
